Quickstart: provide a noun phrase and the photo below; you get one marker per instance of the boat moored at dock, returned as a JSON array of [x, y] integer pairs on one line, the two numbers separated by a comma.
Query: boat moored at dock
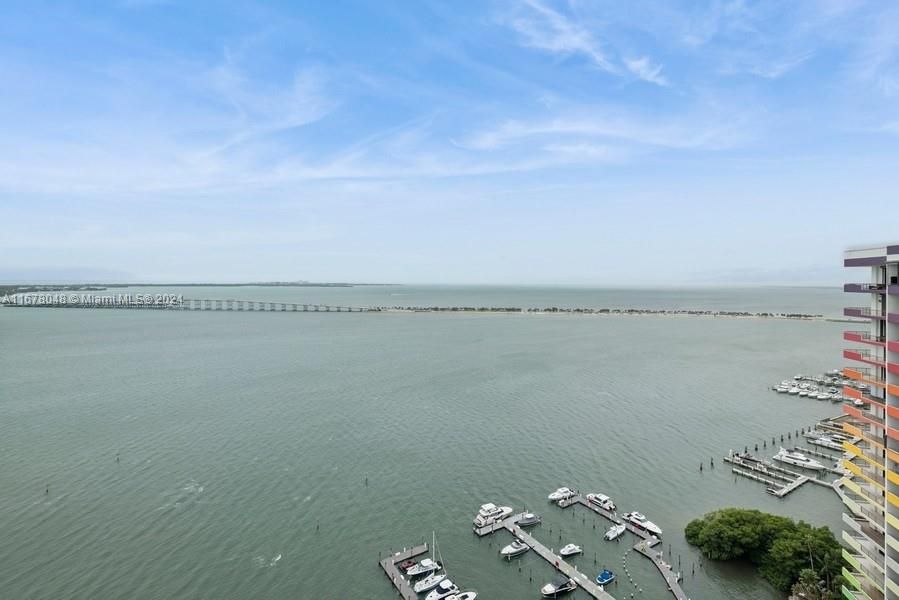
[[516, 548], [558, 586], [798, 459], [602, 501], [570, 550], [640, 521], [428, 583], [614, 532], [490, 513], [563, 493], [423, 567], [529, 520], [605, 578], [444, 589]]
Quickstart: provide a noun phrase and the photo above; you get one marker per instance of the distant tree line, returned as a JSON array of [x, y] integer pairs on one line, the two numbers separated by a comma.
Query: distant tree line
[[792, 556]]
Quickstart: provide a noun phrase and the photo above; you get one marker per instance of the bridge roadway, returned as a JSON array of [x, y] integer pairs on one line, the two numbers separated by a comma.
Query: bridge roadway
[[198, 304]]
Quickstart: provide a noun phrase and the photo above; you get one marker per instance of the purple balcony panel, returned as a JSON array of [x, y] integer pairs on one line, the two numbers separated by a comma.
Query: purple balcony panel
[[894, 289], [873, 261], [872, 288], [893, 317]]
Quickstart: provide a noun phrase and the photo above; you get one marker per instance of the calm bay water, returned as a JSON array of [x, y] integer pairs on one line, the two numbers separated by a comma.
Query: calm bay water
[[244, 437]]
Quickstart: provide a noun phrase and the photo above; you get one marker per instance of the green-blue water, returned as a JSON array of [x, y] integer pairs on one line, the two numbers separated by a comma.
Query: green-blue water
[[245, 436]]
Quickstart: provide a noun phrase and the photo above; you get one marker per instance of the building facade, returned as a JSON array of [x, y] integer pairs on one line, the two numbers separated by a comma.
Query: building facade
[[871, 489]]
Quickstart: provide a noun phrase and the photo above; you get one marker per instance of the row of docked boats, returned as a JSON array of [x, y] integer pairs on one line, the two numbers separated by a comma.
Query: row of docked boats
[[431, 581], [606, 503]]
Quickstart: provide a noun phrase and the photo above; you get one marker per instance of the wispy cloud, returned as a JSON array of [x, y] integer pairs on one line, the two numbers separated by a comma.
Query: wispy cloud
[[545, 28], [647, 71]]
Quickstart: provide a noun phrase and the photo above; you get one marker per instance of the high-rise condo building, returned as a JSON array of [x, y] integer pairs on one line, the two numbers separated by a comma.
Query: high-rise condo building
[[871, 489]]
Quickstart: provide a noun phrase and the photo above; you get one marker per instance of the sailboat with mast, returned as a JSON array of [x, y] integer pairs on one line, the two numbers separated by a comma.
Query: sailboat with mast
[[427, 566]]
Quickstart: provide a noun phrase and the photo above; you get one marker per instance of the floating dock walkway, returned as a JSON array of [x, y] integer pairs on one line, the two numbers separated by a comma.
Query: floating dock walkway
[[585, 582], [389, 564]]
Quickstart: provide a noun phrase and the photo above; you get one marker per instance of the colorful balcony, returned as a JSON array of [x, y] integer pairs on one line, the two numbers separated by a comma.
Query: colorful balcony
[[893, 317], [893, 289], [863, 312], [865, 337], [864, 355], [864, 416], [865, 288], [864, 375], [893, 346], [893, 367]]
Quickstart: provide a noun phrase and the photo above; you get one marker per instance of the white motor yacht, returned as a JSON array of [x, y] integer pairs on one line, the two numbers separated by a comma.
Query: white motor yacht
[[615, 531], [558, 586], [570, 550], [490, 513], [826, 442], [563, 493], [798, 459], [602, 501], [444, 589], [429, 582], [463, 596], [529, 520], [793, 391], [425, 566], [640, 521], [514, 549]]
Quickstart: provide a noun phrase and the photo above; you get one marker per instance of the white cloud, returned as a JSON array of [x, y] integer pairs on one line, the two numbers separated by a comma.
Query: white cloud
[[645, 70], [546, 29]]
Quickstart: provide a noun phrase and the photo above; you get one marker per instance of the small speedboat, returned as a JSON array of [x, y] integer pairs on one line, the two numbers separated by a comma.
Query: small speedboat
[[570, 550], [529, 520], [793, 391], [558, 586], [406, 565], [514, 549], [463, 596], [563, 493], [602, 501], [605, 578], [424, 567], [803, 393], [615, 531], [429, 582], [798, 459], [444, 588]]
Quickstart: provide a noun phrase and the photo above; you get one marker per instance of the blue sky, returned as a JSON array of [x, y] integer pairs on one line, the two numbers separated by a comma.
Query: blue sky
[[609, 143]]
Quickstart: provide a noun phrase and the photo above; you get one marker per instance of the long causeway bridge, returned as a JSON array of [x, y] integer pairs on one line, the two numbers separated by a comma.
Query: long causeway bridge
[[177, 303]]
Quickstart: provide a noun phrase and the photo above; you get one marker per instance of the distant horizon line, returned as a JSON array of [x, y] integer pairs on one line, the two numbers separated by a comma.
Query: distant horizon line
[[304, 283]]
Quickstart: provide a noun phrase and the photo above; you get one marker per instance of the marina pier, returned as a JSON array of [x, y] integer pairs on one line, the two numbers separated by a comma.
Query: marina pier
[[389, 564], [644, 547]]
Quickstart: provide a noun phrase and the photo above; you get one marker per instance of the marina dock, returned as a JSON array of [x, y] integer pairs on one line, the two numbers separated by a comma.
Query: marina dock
[[584, 581], [643, 547], [389, 564], [672, 579]]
